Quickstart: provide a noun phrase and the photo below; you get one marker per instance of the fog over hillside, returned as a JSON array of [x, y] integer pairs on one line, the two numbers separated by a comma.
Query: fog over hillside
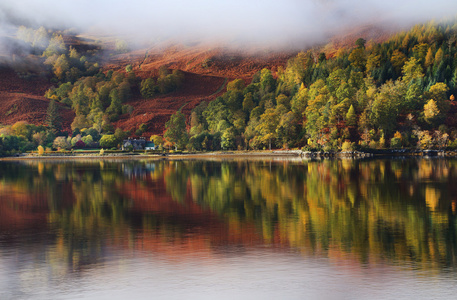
[[287, 23]]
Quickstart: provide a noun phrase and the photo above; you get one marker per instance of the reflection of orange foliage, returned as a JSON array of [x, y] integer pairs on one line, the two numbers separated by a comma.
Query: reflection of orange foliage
[[20, 209], [202, 229]]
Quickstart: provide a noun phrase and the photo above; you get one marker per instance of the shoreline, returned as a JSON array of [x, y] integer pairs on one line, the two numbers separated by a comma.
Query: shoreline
[[298, 154]]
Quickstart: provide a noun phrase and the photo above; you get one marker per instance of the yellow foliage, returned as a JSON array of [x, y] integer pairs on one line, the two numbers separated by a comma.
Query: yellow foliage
[[347, 146], [40, 150], [431, 109]]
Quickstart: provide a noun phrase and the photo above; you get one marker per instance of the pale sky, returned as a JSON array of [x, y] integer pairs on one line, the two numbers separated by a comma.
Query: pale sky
[[268, 22]]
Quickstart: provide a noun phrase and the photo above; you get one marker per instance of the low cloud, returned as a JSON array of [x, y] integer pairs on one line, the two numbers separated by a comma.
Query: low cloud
[[287, 23]]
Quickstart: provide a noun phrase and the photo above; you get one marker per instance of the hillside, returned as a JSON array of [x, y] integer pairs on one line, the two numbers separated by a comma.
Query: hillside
[[368, 89], [206, 70], [22, 100], [206, 73]]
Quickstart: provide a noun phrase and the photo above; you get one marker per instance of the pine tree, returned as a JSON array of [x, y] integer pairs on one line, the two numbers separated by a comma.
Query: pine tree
[[53, 117]]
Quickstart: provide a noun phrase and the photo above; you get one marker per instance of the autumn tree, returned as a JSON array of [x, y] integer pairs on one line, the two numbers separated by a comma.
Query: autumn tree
[[437, 106], [431, 111], [56, 46], [176, 129], [267, 126], [351, 117]]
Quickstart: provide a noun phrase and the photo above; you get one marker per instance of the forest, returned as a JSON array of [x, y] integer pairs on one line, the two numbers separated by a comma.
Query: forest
[[395, 94]]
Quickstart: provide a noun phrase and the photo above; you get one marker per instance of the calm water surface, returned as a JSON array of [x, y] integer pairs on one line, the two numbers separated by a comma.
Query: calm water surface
[[238, 229]]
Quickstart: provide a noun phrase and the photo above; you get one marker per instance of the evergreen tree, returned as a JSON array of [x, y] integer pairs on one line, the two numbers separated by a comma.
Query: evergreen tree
[[53, 117]]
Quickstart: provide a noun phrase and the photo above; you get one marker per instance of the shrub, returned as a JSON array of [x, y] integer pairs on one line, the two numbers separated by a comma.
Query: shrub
[[88, 140], [40, 150], [148, 88], [395, 142], [80, 145], [61, 143], [347, 146], [108, 141]]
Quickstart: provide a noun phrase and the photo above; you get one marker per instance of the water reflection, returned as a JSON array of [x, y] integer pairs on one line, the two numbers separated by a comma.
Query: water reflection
[[73, 216]]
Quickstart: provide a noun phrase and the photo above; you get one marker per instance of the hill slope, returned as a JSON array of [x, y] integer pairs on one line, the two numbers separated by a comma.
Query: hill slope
[[206, 70]]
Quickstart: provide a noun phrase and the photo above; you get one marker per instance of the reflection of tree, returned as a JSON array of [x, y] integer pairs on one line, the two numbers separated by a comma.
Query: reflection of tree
[[402, 210], [381, 208]]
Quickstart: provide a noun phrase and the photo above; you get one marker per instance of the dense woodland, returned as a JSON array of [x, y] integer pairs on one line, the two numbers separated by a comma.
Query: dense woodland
[[395, 94]]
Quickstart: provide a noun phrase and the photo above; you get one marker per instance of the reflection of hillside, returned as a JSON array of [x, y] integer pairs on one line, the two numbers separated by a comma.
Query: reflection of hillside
[[178, 226], [28, 195], [356, 211], [399, 210], [21, 209]]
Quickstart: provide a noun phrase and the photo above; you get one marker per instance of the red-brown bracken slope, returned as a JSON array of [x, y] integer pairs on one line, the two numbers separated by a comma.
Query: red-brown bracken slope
[[22, 100], [206, 74]]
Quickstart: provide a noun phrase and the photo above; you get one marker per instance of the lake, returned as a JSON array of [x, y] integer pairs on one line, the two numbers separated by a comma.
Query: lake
[[228, 229]]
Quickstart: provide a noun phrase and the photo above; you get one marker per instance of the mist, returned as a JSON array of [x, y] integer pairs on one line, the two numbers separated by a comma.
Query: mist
[[266, 23]]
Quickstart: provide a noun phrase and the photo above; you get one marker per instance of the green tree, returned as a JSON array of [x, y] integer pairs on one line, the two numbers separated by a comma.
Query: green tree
[[120, 135], [236, 85], [115, 107], [269, 121], [108, 141], [88, 140], [248, 103], [351, 118], [53, 120], [21, 129], [56, 46], [412, 70], [287, 129], [358, 58], [176, 129], [267, 82], [300, 100], [360, 43], [386, 105], [228, 139], [80, 122]]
